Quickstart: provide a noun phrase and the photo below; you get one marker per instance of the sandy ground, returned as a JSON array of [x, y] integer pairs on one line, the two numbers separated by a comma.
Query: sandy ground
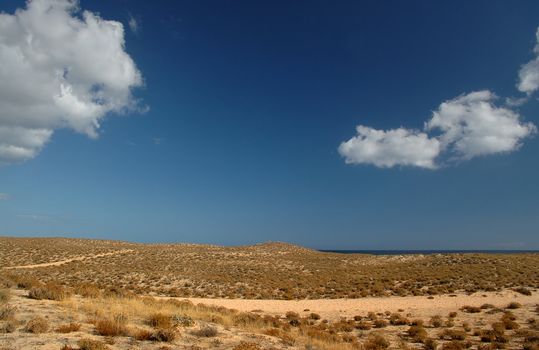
[[61, 262], [419, 306], [59, 313]]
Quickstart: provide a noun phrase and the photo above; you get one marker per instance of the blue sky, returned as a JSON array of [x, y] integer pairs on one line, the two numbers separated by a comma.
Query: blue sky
[[248, 104]]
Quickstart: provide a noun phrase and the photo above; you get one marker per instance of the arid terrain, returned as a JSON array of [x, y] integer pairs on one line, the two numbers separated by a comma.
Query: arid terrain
[[58, 293]]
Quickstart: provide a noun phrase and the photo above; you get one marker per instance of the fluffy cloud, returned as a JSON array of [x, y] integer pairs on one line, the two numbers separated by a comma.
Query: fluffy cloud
[[59, 69], [386, 149], [529, 73], [465, 127], [460, 129], [472, 126]]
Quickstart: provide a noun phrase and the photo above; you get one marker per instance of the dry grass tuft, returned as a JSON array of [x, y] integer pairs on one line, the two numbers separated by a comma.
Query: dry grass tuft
[[36, 325], [110, 327], [471, 309], [418, 334], [68, 328], [453, 334], [141, 334], [247, 346], [160, 320], [50, 291], [436, 321], [7, 312], [206, 331], [514, 305], [9, 326], [4, 296], [87, 290], [430, 344], [163, 335], [376, 342], [453, 345], [523, 291], [90, 344]]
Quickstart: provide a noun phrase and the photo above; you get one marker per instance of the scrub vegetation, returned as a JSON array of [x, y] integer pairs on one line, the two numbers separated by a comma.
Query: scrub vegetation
[[133, 298]]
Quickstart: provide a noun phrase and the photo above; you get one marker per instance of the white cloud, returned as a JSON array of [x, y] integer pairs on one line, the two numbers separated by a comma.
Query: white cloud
[[133, 24], [4, 196], [386, 149], [529, 73], [472, 126], [465, 127], [59, 70], [468, 126]]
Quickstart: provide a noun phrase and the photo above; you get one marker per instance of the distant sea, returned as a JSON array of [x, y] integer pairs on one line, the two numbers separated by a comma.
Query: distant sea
[[403, 252]]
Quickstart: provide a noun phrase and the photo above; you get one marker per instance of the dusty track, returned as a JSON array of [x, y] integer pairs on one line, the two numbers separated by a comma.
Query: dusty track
[[61, 262]]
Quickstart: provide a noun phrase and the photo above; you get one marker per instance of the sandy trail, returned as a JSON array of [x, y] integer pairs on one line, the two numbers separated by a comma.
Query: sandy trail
[[419, 306], [61, 262]]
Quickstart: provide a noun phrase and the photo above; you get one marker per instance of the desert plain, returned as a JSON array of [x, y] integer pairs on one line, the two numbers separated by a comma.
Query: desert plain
[[61, 293]]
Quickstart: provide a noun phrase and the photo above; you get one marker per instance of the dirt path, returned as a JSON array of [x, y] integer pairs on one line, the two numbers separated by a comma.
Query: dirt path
[[419, 306], [61, 262]]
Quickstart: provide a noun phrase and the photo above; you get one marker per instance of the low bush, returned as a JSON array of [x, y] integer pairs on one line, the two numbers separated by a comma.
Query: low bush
[[160, 320], [9, 326], [27, 282], [68, 328], [90, 344], [418, 334], [314, 316], [376, 342], [110, 327], [471, 309], [430, 344], [206, 331], [182, 320], [453, 345], [163, 335], [87, 290], [363, 325], [141, 334], [50, 291], [379, 323], [37, 324], [398, 320], [292, 315], [246, 346], [523, 290], [417, 322], [4, 296], [7, 312], [453, 334], [436, 321], [513, 305]]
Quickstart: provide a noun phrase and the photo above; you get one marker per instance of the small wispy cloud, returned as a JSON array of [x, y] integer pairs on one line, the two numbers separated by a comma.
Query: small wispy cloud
[[529, 73], [134, 24], [4, 196], [158, 140], [40, 217]]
